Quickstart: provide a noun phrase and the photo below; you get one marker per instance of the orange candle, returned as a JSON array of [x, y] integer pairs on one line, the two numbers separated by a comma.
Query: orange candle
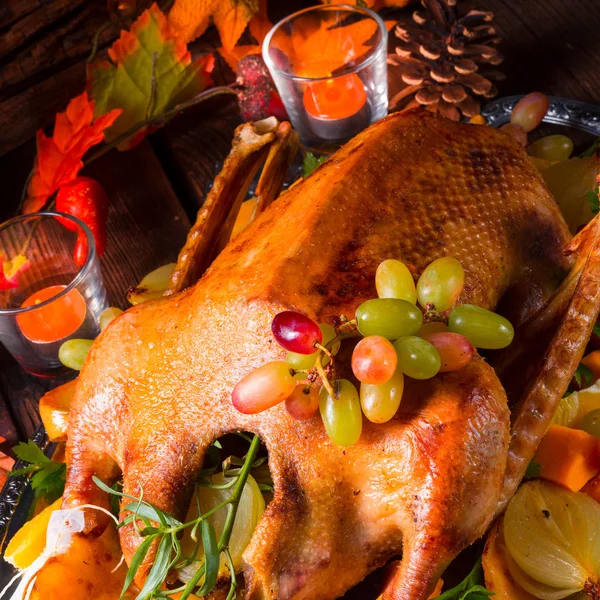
[[56, 320], [337, 98]]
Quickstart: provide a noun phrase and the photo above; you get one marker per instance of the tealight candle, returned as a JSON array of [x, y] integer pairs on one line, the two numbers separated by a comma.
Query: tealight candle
[[336, 108], [56, 320]]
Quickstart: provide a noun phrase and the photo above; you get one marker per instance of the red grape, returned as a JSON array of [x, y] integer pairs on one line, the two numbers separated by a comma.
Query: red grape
[[303, 403], [263, 388], [530, 110], [296, 332], [454, 349], [374, 360]]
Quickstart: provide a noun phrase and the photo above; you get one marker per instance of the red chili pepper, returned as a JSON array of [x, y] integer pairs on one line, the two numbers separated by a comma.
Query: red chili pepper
[[85, 199]]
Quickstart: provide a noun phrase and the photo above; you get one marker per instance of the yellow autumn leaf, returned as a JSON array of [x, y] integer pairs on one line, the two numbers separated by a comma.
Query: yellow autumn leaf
[[190, 18]]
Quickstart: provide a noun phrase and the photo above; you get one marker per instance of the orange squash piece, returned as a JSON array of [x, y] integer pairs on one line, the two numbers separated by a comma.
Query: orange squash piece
[[54, 410], [568, 457], [29, 542], [592, 362], [592, 488], [84, 571]]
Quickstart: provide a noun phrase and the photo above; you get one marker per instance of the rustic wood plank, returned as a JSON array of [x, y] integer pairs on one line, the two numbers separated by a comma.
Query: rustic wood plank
[[193, 148], [23, 114], [146, 228], [551, 46], [12, 10]]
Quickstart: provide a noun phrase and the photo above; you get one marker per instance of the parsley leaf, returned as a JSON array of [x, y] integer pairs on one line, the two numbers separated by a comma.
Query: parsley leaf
[[469, 588], [533, 470], [311, 162], [593, 201], [47, 476], [583, 376], [597, 329]]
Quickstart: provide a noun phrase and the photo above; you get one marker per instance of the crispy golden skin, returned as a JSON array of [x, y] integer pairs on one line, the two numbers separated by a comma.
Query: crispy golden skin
[[155, 389]]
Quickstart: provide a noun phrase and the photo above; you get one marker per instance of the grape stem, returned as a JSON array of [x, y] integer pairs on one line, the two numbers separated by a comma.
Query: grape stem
[[324, 350], [324, 379]]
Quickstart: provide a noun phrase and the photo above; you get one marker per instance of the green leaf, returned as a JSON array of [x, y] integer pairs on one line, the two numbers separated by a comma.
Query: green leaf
[[533, 470], [31, 453], [212, 558], [160, 568], [136, 561], [47, 476], [597, 329], [591, 150], [310, 163], [593, 201], [470, 587], [149, 73], [583, 376], [144, 510]]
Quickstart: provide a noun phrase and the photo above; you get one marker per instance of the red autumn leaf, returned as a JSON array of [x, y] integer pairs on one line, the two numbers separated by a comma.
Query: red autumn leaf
[[11, 269], [59, 158]]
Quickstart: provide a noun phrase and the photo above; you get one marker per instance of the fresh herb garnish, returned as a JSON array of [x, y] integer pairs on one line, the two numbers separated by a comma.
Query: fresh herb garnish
[[593, 201], [311, 162], [163, 530], [583, 376], [533, 470], [47, 476], [470, 587]]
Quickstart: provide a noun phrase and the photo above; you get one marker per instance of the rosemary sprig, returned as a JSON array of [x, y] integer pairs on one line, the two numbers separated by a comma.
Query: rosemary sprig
[[161, 530]]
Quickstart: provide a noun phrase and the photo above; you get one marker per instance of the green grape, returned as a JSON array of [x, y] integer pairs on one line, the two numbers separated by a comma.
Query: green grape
[[108, 315], [380, 402], [305, 362], [72, 353], [328, 334], [301, 362], [390, 318], [341, 415], [394, 280], [591, 423], [440, 284], [484, 329], [551, 148], [417, 358]]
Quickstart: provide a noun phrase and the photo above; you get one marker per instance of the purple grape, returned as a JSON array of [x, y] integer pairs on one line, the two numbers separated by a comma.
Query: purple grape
[[296, 332]]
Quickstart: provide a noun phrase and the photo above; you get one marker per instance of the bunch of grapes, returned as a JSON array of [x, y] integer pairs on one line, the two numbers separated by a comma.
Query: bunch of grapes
[[396, 343]]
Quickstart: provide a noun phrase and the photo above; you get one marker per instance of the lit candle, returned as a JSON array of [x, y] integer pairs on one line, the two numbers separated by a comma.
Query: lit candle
[[56, 320], [337, 108]]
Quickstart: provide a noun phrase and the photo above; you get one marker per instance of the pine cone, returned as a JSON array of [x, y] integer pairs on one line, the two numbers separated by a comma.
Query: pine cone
[[446, 59]]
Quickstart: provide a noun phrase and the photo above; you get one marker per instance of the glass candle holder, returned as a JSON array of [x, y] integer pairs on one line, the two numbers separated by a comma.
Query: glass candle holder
[[47, 298], [329, 65]]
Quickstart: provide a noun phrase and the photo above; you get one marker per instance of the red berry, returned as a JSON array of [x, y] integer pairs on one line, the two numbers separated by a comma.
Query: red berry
[[85, 199], [296, 332]]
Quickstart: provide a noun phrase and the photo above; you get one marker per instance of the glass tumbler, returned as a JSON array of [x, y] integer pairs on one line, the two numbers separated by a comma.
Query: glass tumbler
[[49, 292], [329, 65]]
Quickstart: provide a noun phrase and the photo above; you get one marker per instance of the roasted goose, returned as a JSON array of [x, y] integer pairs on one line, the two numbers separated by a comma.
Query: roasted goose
[[156, 388]]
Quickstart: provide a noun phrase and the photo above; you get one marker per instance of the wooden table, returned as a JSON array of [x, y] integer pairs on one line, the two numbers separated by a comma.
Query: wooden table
[[155, 190]]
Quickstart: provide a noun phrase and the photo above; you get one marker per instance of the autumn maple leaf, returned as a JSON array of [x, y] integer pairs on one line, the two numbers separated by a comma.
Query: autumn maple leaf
[[150, 72], [11, 269], [190, 18], [59, 158]]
